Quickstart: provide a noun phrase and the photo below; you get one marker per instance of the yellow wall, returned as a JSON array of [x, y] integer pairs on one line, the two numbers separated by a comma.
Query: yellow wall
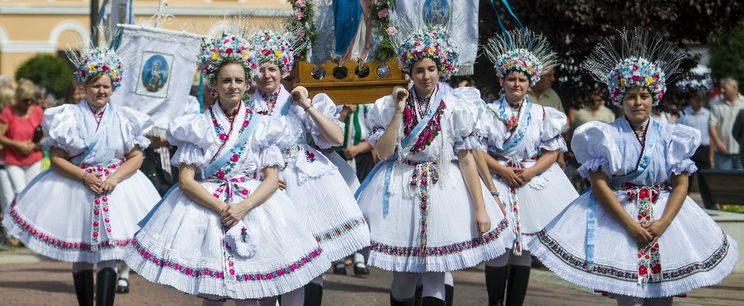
[[28, 27]]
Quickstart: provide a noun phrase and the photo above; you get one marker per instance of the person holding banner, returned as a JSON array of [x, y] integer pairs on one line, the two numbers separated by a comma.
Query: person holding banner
[[636, 235], [522, 140], [428, 210], [95, 151], [225, 232], [317, 189]]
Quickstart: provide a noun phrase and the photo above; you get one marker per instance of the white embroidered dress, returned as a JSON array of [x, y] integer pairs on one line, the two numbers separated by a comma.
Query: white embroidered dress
[[587, 246], [184, 245], [535, 204], [318, 191], [77, 225], [418, 207]]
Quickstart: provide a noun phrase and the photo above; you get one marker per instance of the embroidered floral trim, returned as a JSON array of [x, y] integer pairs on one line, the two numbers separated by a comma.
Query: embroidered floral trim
[[270, 102], [441, 250], [340, 230], [632, 276], [231, 274], [649, 261], [60, 244], [236, 151], [100, 211], [430, 131]]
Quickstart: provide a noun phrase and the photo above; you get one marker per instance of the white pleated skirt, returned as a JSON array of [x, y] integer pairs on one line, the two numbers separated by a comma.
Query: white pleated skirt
[[694, 252], [450, 232], [538, 201], [327, 206], [182, 246], [54, 216]]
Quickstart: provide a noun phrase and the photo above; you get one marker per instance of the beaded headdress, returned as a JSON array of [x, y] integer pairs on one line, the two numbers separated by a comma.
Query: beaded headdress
[[521, 50], [429, 42], [635, 58], [275, 48], [96, 61], [215, 52]]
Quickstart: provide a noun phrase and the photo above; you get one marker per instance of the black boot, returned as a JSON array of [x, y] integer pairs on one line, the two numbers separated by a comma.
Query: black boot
[[449, 294], [313, 294], [394, 302], [432, 301], [83, 282], [105, 287], [418, 295], [495, 284], [519, 278]]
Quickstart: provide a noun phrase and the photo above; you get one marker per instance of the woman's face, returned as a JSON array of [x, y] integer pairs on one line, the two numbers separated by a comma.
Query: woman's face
[[99, 92], [269, 77], [516, 85], [425, 76], [230, 84], [637, 104]]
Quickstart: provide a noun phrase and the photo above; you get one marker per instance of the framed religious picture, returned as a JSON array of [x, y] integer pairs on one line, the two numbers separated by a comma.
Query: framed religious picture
[[154, 75]]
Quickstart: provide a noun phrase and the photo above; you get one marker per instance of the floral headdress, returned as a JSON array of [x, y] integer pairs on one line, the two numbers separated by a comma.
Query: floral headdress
[[274, 48], [636, 58], [521, 50], [100, 60], [429, 42], [215, 52]]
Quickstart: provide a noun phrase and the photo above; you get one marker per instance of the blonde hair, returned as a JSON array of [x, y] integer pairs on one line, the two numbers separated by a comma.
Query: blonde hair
[[6, 97], [25, 90]]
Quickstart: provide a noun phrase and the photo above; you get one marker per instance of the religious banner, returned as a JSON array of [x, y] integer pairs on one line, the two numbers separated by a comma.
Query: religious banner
[[159, 69], [459, 17]]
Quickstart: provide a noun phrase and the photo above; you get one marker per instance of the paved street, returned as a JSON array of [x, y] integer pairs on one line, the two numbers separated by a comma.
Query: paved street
[[27, 280]]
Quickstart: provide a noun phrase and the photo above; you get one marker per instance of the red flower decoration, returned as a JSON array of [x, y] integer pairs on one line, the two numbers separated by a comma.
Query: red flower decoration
[[642, 270], [643, 194]]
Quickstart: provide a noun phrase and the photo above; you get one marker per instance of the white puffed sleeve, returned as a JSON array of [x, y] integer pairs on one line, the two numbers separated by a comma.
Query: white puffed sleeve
[[593, 145], [490, 129], [135, 125], [464, 115], [271, 137], [193, 134], [683, 144], [325, 105], [378, 118], [554, 123], [61, 127]]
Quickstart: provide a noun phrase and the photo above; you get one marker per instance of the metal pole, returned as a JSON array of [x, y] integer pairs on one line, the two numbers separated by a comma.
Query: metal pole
[[93, 25]]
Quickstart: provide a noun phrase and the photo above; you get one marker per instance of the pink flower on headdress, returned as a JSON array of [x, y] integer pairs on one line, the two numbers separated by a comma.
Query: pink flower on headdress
[[229, 51], [391, 31], [300, 3], [105, 68], [299, 14], [383, 13], [266, 52]]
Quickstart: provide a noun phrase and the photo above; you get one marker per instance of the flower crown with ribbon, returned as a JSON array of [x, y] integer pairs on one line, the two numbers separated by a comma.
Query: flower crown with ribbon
[[636, 58], [215, 52], [429, 42], [523, 51], [274, 48], [97, 61]]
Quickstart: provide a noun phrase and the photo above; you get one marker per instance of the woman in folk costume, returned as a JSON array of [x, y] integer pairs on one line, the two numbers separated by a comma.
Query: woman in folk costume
[[317, 189], [95, 150], [640, 237], [522, 140], [223, 232], [428, 211]]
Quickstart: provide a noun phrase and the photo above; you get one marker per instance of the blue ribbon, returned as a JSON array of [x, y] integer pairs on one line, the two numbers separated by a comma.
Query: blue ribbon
[[155, 208], [591, 219], [287, 105], [201, 93], [524, 123], [388, 164], [227, 154], [102, 126], [501, 23]]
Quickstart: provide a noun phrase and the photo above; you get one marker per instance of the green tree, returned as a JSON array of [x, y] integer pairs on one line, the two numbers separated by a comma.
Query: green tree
[[49, 71], [727, 57]]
